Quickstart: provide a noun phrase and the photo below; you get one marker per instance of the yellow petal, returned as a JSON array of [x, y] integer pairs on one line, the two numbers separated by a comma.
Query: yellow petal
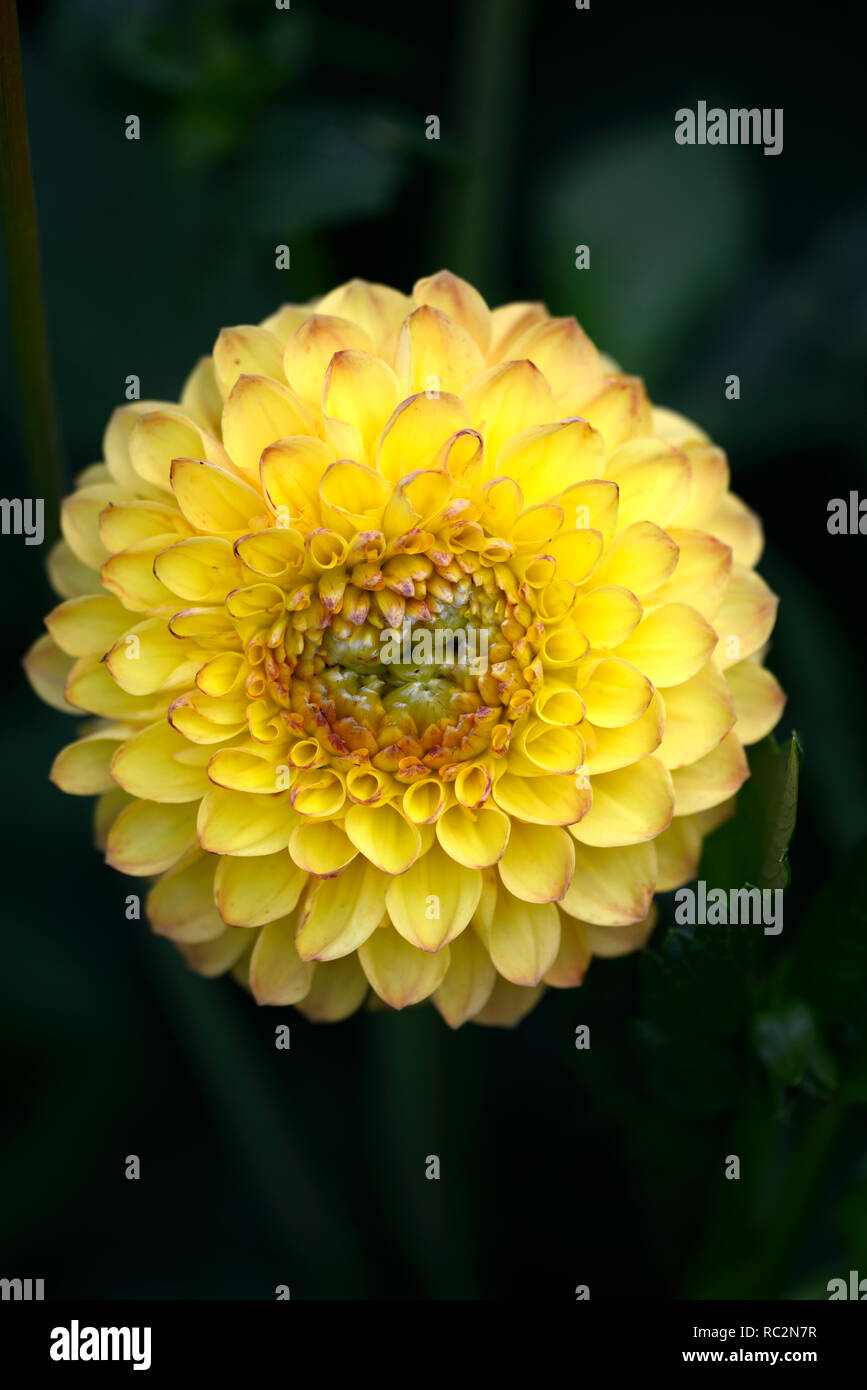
[[362, 392], [213, 958], [434, 900], [130, 575], [399, 973], [312, 347], [90, 687], [79, 520], [678, 850], [702, 574], [417, 431], [148, 837], [290, 472], [522, 938], [106, 811], [736, 526], [207, 719], [698, 715], [577, 554], [286, 320], [505, 400], [221, 674], [508, 1004], [378, 309], [468, 982], [417, 499], [278, 975], [425, 800], [321, 848], [244, 823], [620, 411], [633, 804], [641, 559], [384, 836], [213, 500], [548, 748], [352, 497], [546, 459], [476, 838], [127, 523], [181, 905], [338, 914], [573, 957], [670, 644], [677, 429], [607, 615], [201, 399], [318, 792], [201, 569], [159, 437], [246, 769], [609, 942], [149, 658], [246, 351], [338, 989], [460, 301], [508, 323], [258, 413], [708, 483], [746, 617], [563, 647], [614, 692], [547, 800], [592, 505], [81, 626], [538, 862], [559, 703], [612, 886], [653, 479], [84, 768], [435, 354], [48, 670], [609, 749], [116, 444], [759, 700], [565, 355], [148, 766], [712, 779], [69, 576], [251, 892]]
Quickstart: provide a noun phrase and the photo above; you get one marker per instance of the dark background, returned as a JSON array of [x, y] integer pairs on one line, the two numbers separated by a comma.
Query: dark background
[[559, 1167]]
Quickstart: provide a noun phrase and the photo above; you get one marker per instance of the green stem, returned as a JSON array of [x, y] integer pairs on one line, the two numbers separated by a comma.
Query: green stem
[[26, 304], [475, 233], [304, 1215]]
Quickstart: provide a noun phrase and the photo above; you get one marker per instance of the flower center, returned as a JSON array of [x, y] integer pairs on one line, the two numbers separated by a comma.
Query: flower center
[[425, 668]]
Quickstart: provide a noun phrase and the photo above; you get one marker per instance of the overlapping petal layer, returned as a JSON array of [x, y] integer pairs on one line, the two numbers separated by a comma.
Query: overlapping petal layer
[[420, 650]]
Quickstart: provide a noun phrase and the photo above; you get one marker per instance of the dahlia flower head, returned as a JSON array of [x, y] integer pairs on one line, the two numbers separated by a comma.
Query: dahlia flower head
[[331, 803]]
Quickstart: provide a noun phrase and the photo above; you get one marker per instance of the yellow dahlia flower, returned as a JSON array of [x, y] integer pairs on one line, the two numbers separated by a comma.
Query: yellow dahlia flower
[[329, 797]]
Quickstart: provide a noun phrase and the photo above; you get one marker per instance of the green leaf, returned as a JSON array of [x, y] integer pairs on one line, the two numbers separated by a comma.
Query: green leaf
[[752, 848], [784, 1038], [319, 165], [788, 1041], [776, 770], [668, 238]]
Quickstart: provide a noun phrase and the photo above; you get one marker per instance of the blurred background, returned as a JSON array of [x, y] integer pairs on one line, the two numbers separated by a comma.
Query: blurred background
[[559, 1167]]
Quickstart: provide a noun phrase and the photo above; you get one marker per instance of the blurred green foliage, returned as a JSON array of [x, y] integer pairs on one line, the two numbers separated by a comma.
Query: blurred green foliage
[[606, 1166]]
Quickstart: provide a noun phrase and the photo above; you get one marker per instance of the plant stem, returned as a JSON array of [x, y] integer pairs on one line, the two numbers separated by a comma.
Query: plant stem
[[40, 423], [476, 234]]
